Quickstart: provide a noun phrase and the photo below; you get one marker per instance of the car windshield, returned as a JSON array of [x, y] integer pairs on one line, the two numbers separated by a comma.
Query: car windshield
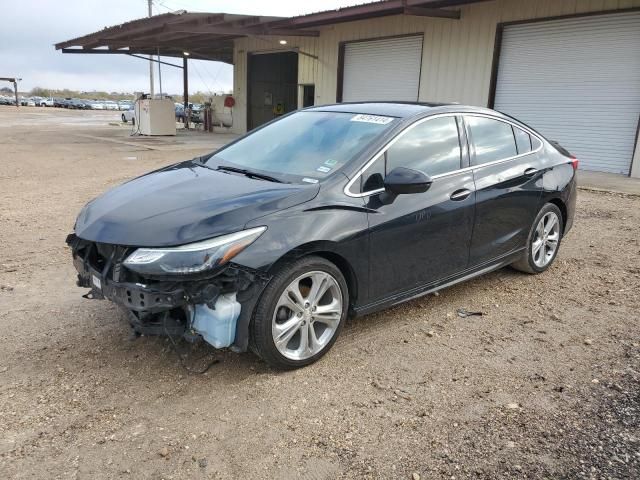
[[306, 144]]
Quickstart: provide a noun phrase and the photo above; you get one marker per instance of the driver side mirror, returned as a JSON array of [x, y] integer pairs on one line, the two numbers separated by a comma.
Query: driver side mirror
[[403, 180]]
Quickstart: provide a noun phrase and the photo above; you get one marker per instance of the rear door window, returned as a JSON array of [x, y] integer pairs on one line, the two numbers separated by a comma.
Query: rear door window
[[493, 140]]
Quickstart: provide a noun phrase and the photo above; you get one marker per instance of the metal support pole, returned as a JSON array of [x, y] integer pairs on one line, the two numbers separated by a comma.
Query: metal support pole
[[159, 73], [185, 92], [150, 2], [15, 91], [185, 82]]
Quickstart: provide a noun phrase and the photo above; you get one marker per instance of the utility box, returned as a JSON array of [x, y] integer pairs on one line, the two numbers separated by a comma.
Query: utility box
[[156, 117]]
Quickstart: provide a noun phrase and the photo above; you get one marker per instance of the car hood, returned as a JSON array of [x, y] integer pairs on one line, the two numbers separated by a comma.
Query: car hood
[[181, 204]]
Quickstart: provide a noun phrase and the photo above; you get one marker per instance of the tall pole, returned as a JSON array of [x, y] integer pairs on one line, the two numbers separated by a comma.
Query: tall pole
[[15, 91], [185, 82], [149, 3], [159, 73]]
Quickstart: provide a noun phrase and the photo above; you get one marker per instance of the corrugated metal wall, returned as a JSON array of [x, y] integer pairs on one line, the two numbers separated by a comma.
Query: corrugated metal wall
[[576, 80], [457, 54]]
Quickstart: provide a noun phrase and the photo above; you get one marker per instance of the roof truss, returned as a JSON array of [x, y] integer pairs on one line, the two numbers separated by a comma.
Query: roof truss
[[212, 35]]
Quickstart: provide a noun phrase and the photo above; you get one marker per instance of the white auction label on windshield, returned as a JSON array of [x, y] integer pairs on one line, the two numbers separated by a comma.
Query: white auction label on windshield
[[371, 119]]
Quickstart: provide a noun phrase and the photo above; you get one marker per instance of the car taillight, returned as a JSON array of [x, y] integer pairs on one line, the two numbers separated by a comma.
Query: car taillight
[[574, 163]]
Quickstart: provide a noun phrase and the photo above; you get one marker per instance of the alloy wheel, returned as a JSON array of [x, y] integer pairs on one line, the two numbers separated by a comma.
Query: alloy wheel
[[307, 315], [546, 239]]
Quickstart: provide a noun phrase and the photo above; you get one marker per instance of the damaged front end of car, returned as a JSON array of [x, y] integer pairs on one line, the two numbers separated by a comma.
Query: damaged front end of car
[[192, 291]]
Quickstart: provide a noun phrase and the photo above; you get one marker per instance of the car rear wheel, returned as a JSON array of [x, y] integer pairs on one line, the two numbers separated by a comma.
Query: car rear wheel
[[300, 313], [543, 242], [124, 119]]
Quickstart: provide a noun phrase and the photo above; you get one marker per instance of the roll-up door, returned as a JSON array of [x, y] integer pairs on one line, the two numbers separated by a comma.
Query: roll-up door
[[386, 69], [577, 81]]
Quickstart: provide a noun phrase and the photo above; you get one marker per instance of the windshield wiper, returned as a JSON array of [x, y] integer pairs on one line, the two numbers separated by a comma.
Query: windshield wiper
[[249, 173]]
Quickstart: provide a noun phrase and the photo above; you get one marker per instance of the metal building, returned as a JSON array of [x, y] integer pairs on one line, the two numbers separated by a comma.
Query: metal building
[[569, 68]]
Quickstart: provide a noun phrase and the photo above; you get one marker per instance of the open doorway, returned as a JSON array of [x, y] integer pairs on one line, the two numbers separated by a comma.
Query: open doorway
[[307, 95], [272, 83]]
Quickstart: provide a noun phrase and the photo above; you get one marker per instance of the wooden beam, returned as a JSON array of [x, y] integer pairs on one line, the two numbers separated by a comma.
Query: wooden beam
[[225, 56], [154, 60], [432, 12], [283, 32], [128, 28], [255, 20], [242, 32], [185, 44], [179, 31]]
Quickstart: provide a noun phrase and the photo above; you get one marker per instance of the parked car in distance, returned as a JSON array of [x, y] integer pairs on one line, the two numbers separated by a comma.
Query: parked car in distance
[[110, 105], [75, 104], [328, 212], [46, 102], [129, 115], [97, 105], [124, 105], [196, 112]]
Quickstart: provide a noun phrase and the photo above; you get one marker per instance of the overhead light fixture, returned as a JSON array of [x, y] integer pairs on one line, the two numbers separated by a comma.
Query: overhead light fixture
[[283, 42], [186, 54]]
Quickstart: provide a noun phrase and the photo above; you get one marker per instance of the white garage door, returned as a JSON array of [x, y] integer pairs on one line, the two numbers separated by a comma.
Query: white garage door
[[578, 82], [387, 69]]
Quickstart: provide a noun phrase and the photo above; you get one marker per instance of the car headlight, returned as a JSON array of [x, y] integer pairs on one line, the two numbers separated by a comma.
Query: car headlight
[[193, 257]]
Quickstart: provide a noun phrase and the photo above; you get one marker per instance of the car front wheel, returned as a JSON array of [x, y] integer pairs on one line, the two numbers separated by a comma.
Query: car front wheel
[[124, 119], [300, 313], [543, 242]]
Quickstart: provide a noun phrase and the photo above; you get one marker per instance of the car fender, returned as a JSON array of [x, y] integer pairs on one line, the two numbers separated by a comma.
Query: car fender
[[559, 187], [331, 225]]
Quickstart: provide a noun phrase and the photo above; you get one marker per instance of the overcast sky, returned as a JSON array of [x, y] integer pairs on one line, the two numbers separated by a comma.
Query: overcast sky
[[27, 39]]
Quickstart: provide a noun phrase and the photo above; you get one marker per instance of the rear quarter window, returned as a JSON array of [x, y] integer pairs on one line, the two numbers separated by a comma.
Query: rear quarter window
[[523, 141], [492, 139]]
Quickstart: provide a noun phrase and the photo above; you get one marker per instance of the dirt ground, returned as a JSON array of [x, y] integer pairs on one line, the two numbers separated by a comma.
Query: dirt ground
[[546, 384]]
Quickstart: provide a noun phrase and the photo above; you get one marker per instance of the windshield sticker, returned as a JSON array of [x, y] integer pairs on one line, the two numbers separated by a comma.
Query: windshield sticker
[[309, 180], [323, 169], [371, 119], [331, 162]]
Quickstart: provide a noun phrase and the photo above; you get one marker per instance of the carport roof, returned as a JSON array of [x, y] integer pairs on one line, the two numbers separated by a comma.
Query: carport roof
[[210, 36]]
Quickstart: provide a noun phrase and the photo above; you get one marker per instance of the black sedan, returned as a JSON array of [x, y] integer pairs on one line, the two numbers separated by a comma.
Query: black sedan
[[271, 242]]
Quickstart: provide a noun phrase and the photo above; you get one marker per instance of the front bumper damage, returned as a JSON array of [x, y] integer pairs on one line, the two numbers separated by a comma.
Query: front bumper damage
[[166, 305]]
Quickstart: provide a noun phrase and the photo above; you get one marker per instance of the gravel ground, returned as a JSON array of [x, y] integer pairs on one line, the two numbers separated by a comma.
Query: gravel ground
[[546, 384]]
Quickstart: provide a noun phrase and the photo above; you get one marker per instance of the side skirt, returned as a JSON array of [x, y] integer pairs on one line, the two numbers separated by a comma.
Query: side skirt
[[422, 290]]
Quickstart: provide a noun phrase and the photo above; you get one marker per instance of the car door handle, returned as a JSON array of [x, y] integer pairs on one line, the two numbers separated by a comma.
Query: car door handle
[[460, 195], [530, 172]]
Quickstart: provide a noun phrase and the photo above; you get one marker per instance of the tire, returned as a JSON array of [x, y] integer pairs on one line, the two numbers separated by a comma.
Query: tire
[[538, 256], [124, 119], [320, 319]]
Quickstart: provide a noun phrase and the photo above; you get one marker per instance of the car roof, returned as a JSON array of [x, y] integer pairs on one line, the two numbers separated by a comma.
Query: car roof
[[391, 109], [399, 109]]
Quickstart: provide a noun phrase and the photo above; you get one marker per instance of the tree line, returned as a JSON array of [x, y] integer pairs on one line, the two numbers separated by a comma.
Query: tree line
[[196, 97]]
